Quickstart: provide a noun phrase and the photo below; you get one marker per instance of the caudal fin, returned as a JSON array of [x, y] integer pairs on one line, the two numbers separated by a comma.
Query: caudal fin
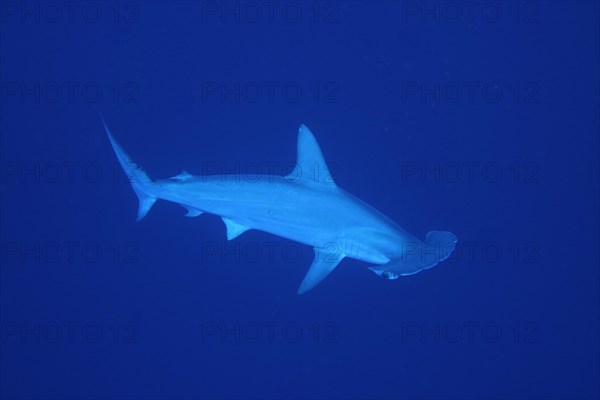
[[140, 182]]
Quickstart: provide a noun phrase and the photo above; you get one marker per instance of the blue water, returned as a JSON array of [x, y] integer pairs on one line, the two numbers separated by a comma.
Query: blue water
[[480, 120]]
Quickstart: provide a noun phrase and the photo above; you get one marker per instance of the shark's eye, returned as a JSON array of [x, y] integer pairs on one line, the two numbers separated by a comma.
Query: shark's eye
[[389, 275]]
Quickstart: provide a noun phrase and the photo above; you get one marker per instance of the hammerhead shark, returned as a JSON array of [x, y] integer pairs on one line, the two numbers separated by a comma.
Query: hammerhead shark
[[303, 206]]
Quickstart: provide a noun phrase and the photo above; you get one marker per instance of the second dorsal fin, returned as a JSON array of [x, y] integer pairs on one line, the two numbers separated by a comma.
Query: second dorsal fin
[[182, 176]]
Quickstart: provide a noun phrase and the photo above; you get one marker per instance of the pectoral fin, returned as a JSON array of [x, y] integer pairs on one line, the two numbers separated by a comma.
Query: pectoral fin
[[324, 262]]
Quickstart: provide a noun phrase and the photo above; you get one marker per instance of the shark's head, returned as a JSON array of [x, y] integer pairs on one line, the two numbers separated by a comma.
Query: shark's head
[[415, 257]]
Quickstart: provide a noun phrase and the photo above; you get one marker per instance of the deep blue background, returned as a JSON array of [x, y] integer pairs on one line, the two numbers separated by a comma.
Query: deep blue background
[[159, 55]]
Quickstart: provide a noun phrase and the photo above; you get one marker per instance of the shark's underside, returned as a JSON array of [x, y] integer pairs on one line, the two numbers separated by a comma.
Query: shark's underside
[[305, 206]]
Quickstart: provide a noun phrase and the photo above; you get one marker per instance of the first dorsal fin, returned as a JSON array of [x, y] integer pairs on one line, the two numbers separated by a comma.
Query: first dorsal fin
[[310, 164]]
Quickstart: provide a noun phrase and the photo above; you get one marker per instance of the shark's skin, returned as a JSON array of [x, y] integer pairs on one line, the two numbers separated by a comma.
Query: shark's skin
[[299, 207]]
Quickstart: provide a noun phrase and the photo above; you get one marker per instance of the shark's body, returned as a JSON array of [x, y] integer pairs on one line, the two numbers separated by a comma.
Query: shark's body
[[305, 206]]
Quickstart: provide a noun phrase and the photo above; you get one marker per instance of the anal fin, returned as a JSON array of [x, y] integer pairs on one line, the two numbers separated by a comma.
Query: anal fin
[[233, 228], [193, 212]]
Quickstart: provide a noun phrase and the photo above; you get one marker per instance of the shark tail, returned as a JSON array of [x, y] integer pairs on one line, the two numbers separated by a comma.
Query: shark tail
[[140, 182]]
